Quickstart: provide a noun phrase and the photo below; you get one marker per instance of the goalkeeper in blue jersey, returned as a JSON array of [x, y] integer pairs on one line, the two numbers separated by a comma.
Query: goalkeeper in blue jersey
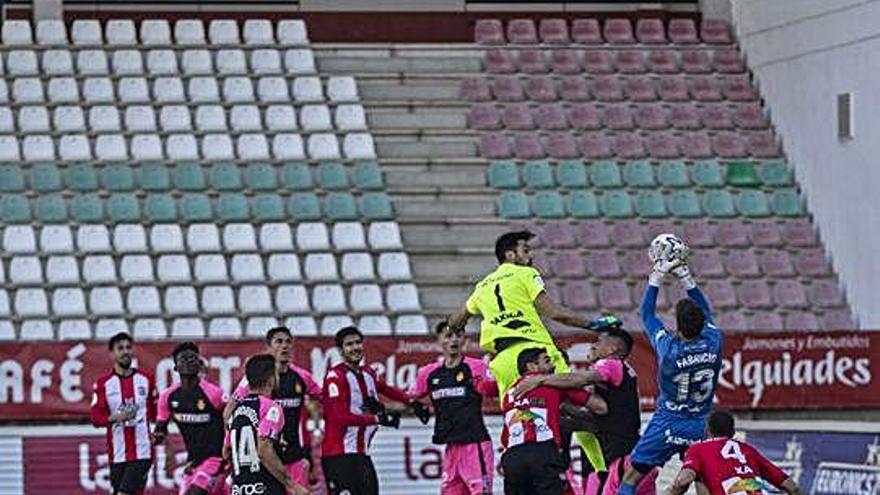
[[688, 360]]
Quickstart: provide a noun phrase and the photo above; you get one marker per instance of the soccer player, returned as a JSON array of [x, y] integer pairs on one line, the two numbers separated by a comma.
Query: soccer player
[[124, 401], [352, 412], [689, 361], [456, 385], [254, 429], [725, 465], [294, 388], [532, 462], [196, 405]]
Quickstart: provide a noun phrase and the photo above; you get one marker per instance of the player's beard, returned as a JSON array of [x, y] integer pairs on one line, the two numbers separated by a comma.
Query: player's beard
[[124, 362]]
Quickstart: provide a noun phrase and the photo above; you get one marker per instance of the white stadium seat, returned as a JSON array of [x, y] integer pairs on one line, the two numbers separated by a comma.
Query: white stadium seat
[[74, 147], [258, 32], [104, 119], [68, 119], [7, 122], [144, 301], [265, 61], [33, 119], [56, 239], [300, 61], [402, 298], [292, 32], [247, 268], [301, 325], [238, 90], [130, 238], [324, 147], [108, 327], [140, 118], [92, 63], [223, 32], [255, 300], [217, 147], [288, 147], [411, 324], [181, 147], [149, 329], [203, 237], [173, 268], [273, 90], [312, 237], [17, 33], [375, 325], [276, 237], [292, 300], [320, 267], [28, 90], [133, 90], [18, 239], [127, 63], [211, 118], [92, 239], [166, 238], [308, 89], [231, 62], [366, 298], [203, 90], [349, 236], [218, 300], [87, 32], [181, 300], [111, 147], [239, 237], [252, 147], [176, 118], [38, 148], [211, 268], [315, 118], [69, 302], [284, 268], [327, 299], [98, 269], [359, 146], [22, 63], [197, 63], [155, 32], [147, 147], [136, 268], [57, 63], [9, 149], [187, 328], [331, 324], [62, 90], [62, 270], [162, 63], [106, 301], [168, 90], [280, 118], [224, 328], [37, 330], [25, 270], [394, 266], [189, 32], [357, 267], [51, 32], [120, 32], [258, 325], [31, 302], [350, 118], [74, 330], [245, 118], [342, 89]]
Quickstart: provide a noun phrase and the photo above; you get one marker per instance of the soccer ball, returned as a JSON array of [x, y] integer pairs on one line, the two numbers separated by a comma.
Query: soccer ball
[[668, 247]]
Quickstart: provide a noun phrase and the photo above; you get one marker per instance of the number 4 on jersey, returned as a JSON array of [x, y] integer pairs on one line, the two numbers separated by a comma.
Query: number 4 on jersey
[[731, 450]]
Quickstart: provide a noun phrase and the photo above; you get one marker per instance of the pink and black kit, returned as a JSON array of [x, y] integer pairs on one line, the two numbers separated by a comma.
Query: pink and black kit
[[253, 418]]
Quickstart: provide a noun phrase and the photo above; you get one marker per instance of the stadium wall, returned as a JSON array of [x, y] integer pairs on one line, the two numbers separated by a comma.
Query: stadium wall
[[803, 54]]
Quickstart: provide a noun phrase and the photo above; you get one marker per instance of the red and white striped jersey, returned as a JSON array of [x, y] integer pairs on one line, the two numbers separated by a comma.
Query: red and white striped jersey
[[348, 429], [534, 417], [128, 440]]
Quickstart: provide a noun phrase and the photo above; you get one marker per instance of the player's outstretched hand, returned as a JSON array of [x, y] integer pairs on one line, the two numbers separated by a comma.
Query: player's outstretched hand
[[389, 419], [421, 411], [526, 385], [604, 323]]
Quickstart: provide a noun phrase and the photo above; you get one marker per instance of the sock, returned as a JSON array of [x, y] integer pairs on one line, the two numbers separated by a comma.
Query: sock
[[590, 445], [626, 489]]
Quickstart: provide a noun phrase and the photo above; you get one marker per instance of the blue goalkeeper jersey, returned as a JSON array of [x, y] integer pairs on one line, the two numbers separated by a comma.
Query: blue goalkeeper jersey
[[688, 369]]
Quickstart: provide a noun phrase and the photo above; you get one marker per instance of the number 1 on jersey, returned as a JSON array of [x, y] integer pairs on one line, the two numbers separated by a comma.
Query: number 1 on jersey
[[498, 298], [244, 450]]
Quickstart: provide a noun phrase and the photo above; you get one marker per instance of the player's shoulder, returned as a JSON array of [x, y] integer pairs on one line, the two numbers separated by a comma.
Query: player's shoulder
[[302, 372], [336, 373], [477, 366], [165, 394], [144, 374], [209, 386], [103, 379]]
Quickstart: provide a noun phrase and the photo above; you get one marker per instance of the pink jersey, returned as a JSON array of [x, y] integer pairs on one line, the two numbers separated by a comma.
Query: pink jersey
[[129, 440], [726, 465], [199, 416], [610, 369]]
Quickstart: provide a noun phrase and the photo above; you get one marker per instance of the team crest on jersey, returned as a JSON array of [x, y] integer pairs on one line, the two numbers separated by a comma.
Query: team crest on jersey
[[298, 388], [460, 376], [333, 390], [435, 381], [200, 405], [274, 414], [175, 404]]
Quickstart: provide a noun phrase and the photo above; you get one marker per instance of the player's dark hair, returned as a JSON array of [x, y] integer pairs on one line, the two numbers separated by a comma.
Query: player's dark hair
[[259, 369], [624, 338], [721, 424], [183, 347], [276, 330], [689, 318], [119, 337], [527, 357], [345, 332], [440, 326], [507, 242]]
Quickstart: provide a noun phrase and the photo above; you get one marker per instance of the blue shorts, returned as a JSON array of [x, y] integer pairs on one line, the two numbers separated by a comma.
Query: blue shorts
[[665, 436]]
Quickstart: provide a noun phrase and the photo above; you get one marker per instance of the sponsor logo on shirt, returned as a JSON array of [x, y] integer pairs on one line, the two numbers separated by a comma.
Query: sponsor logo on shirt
[[192, 418], [449, 392], [289, 403], [249, 489]]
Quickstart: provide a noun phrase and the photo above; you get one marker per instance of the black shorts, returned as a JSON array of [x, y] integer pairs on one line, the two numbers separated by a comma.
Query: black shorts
[[130, 477], [534, 469], [352, 474]]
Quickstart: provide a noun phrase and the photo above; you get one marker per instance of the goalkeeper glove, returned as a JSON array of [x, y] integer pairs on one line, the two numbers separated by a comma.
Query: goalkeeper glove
[[372, 406], [421, 411], [660, 269], [683, 274], [604, 323], [389, 419]]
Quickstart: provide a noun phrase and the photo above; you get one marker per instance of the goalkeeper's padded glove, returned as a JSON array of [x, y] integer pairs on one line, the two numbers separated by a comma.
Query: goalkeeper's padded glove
[[604, 323], [660, 269], [372, 406], [389, 419], [421, 411], [683, 274]]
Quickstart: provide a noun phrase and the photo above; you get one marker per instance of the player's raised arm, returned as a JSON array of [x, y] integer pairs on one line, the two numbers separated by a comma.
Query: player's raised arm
[[684, 479], [459, 319]]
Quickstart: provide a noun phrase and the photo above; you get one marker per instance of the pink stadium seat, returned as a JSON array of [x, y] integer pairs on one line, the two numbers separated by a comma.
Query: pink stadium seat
[[766, 234], [812, 263], [500, 61], [663, 62], [663, 145], [729, 145], [532, 62], [636, 264], [554, 31], [716, 116], [685, 116], [707, 263], [603, 264], [629, 234], [495, 146], [732, 321], [489, 32], [673, 89], [640, 89], [721, 294], [619, 117], [755, 294], [528, 147], [732, 234], [595, 146], [715, 31], [790, 294], [522, 31], [696, 145], [629, 145], [566, 61], [704, 89], [738, 88], [559, 235], [586, 32], [618, 31], [508, 89], [561, 145], [799, 233], [607, 89], [598, 62], [657, 227], [699, 233], [742, 264], [614, 295], [801, 320], [765, 321], [551, 117], [579, 296], [630, 62], [542, 262], [484, 117], [749, 116], [575, 89], [475, 89], [837, 320], [535, 228], [683, 31], [518, 117], [651, 117], [554, 290], [585, 117], [776, 263], [541, 88], [650, 31], [569, 264], [593, 234], [763, 144], [696, 62], [727, 62]]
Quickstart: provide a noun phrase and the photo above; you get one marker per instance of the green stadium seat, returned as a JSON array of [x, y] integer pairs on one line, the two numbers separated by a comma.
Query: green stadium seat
[[368, 176], [650, 204], [123, 208], [332, 176], [261, 177], [188, 176], [753, 204], [742, 174], [775, 174], [719, 204], [582, 204], [504, 175], [153, 177], [617, 204], [639, 174], [196, 208], [50, 208], [513, 204], [605, 174], [87, 208], [339, 206], [572, 174], [117, 178], [11, 178], [45, 177], [233, 207], [15, 209], [538, 175], [160, 208], [82, 178], [304, 207], [787, 203], [297, 177], [684, 204], [268, 208], [376, 206], [548, 204], [707, 173], [673, 174], [225, 177]]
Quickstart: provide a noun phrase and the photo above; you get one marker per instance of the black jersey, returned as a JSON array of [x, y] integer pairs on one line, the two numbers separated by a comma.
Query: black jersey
[[619, 429], [199, 416], [254, 417]]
